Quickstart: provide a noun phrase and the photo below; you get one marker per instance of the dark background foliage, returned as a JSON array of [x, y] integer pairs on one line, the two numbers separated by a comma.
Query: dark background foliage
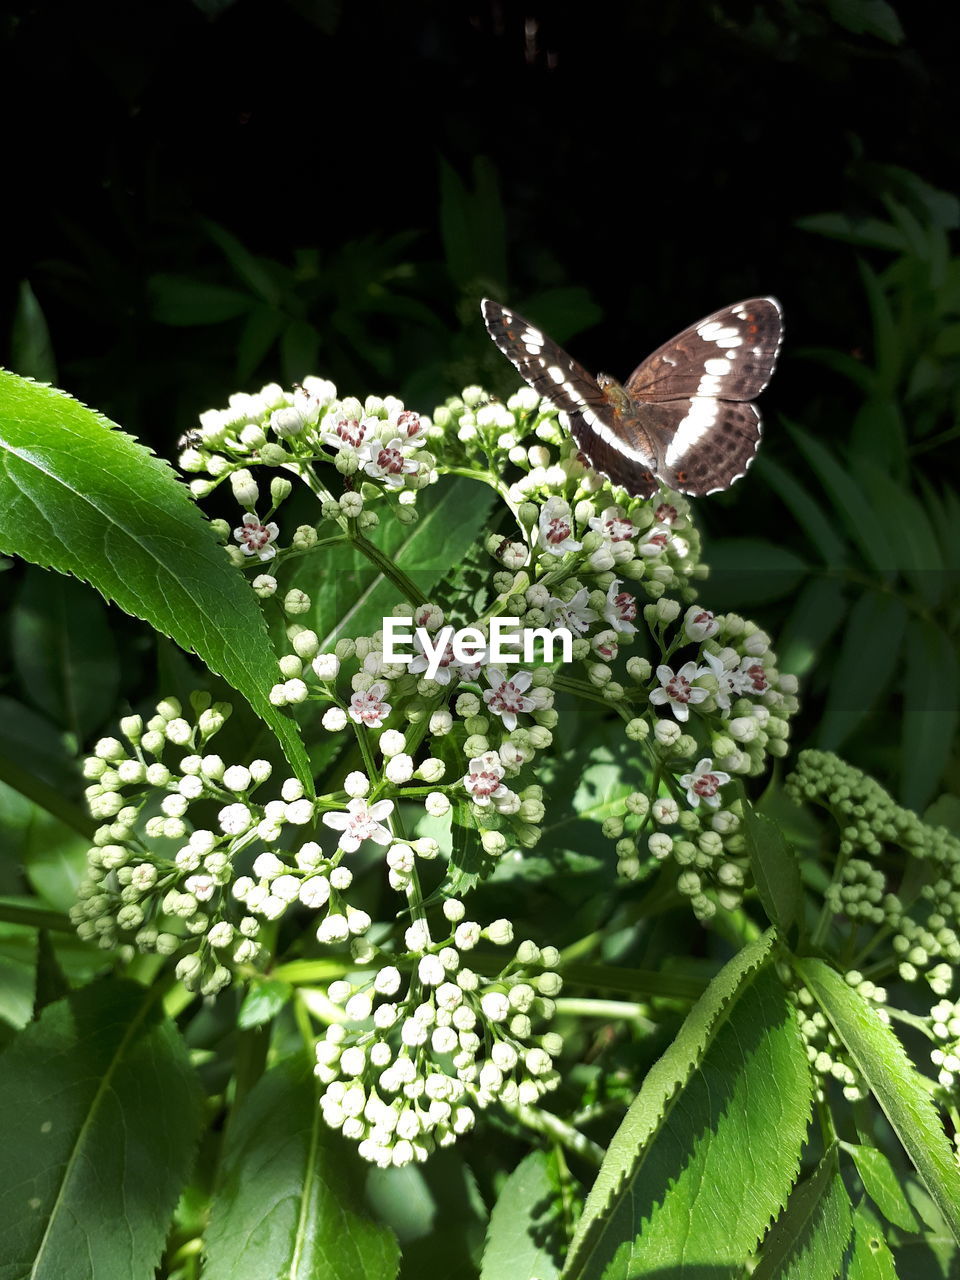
[[212, 195]]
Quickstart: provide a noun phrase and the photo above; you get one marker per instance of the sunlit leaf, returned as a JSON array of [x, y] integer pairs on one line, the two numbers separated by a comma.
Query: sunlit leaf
[[810, 1238], [80, 496], [674, 1191], [289, 1201], [525, 1237]]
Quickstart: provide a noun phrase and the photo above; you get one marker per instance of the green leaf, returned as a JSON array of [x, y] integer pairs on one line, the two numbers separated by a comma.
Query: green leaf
[[525, 1237], [776, 870], [181, 302], [944, 812], [898, 1087], [31, 351], [64, 652], [473, 227], [351, 596], [882, 1184], [914, 541], [674, 1193], [868, 17], [930, 712], [289, 1202], [82, 497], [264, 1000], [870, 1258], [887, 345], [818, 611], [809, 1240], [102, 1114], [849, 501], [873, 233], [879, 434], [867, 661], [749, 571], [820, 528], [258, 274]]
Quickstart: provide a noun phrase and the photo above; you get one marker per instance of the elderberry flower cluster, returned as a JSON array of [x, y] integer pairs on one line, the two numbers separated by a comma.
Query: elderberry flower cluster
[[196, 857], [426, 1041]]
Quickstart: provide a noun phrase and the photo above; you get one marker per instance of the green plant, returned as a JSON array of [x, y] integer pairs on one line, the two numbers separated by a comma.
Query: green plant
[[444, 967]]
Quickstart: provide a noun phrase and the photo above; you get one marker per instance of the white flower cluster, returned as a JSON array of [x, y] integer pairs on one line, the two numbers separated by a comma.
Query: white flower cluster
[[418, 1041], [945, 1028], [426, 1041], [155, 879], [376, 445]]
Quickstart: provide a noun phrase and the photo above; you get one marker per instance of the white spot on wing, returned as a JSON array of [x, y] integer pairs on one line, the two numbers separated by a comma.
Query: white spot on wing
[[617, 442], [556, 373], [697, 423], [717, 365]]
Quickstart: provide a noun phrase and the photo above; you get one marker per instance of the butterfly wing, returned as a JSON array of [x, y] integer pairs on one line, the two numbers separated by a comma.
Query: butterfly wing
[[604, 439], [702, 444], [729, 355]]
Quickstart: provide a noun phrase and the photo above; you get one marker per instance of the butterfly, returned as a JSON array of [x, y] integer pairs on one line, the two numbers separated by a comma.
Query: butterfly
[[684, 418]]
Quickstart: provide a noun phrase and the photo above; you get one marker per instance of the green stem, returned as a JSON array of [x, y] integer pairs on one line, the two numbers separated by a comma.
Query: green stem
[[557, 1130], [34, 917], [409, 590]]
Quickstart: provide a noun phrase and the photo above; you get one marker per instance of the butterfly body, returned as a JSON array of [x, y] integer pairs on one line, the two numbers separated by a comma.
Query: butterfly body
[[684, 418]]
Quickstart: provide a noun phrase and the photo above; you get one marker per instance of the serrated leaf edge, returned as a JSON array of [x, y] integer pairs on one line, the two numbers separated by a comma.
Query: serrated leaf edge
[[599, 1200]]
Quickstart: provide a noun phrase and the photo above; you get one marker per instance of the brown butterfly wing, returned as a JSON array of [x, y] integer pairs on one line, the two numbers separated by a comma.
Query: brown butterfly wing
[[729, 355], [601, 436]]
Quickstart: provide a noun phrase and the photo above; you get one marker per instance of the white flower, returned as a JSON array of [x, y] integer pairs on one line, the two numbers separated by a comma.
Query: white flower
[[333, 928], [574, 614], [399, 768], [752, 674], [392, 742], [483, 778], [326, 666], [202, 887], [621, 609], [556, 527], [506, 697], [449, 665], [349, 432], [700, 624], [704, 783], [409, 427], [334, 719], [362, 821], [437, 804], [369, 707], [678, 689], [387, 462], [729, 683], [655, 541], [356, 784], [235, 819], [315, 891], [255, 538], [613, 525]]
